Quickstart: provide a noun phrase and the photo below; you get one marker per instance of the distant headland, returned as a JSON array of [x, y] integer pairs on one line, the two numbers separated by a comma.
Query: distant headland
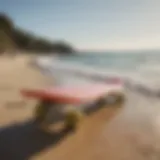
[[13, 38]]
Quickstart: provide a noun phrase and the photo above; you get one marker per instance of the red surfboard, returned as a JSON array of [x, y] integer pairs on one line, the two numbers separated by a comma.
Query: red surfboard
[[70, 95]]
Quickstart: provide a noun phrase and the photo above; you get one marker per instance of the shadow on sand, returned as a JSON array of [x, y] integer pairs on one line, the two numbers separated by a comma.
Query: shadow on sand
[[22, 141]]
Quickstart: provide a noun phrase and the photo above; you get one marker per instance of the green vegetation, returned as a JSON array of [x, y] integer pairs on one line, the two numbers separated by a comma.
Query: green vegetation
[[12, 38]]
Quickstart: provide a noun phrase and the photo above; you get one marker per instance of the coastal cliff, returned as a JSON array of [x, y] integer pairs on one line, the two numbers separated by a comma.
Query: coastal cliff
[[13, 38]]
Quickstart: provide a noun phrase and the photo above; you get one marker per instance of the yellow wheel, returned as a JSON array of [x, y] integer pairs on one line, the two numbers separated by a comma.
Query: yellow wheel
[[72, 118], [121, 99], [41, 112]]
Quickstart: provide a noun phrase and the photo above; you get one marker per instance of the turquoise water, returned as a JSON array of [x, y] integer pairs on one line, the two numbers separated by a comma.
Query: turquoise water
[[120, 61]]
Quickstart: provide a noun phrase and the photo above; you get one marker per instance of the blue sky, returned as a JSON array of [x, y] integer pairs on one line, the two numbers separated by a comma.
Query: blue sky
[[91, 24]]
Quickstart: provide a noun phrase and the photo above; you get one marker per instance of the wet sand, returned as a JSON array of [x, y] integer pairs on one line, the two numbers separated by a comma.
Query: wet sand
[[131, 132]]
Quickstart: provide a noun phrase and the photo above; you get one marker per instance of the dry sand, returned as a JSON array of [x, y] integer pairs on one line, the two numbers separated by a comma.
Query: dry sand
[[111, 133]]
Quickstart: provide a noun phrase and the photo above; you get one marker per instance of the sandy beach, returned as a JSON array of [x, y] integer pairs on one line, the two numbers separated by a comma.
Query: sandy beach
[[114, 133], [18, 138]]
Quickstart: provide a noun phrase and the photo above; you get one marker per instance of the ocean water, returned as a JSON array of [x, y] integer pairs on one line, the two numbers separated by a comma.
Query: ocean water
[[140, 68], [116, 61], [144, 67]]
